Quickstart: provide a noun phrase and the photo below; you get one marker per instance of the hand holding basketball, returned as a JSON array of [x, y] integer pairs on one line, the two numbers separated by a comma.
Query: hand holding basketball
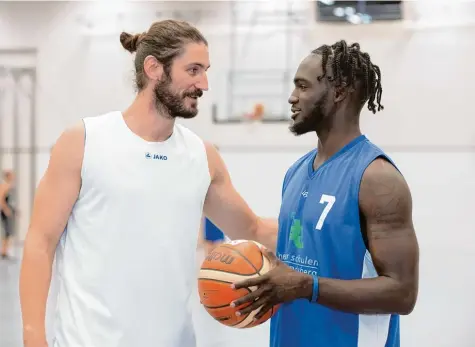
[[279, 285], [226, 264]]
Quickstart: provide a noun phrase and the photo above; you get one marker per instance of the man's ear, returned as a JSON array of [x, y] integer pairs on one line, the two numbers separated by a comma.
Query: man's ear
[[341, 93], [153, 68]]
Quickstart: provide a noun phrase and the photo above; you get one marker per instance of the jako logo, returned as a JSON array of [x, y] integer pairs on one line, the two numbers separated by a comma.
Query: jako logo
[[155, 156]]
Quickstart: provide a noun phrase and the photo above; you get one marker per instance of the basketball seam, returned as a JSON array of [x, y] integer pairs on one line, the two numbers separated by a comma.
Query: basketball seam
[[262, 262], [271, 314], [213, 307], [268, 260], [221, 306], [228, 272], [243, 318], [232, 325], [244, 257], [236, 323], [262, 257], [219, 281], [214, 279]]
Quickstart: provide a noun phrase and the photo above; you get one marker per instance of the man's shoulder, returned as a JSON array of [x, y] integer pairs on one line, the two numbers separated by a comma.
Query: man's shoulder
[[382, 169], [102, 118], [188, 133], [383, 184]]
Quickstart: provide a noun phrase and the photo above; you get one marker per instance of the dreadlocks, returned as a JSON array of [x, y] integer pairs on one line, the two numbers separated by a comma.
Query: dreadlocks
[[349, 66]]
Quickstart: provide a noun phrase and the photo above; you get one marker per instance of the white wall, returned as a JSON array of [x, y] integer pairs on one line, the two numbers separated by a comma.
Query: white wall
[[76, 71], [427, 126]]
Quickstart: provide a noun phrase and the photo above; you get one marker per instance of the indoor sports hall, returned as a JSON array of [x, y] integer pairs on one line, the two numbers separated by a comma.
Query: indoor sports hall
[[61, 61]]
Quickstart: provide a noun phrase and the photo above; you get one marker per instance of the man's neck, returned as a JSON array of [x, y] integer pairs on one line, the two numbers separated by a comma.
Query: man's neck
[[330, 144], [333, 138], [145, 121]]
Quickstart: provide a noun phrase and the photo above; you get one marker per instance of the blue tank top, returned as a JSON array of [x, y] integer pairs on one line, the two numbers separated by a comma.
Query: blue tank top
[[212, 232], [320, 234]]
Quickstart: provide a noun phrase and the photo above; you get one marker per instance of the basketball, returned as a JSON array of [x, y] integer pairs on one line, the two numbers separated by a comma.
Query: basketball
[[228, 263]]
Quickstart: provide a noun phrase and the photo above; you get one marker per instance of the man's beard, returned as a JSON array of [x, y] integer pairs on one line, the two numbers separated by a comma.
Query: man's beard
[[310, 122], [172, 103]]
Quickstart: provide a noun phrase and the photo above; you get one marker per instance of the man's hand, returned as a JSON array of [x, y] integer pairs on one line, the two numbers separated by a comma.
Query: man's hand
[[281, 284]]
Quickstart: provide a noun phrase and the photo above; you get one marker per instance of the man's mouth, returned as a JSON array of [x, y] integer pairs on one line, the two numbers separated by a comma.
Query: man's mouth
[[295, 113]]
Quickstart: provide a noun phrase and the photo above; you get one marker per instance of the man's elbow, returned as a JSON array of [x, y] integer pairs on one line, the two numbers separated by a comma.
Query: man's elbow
[[39, 244], [407, 301]]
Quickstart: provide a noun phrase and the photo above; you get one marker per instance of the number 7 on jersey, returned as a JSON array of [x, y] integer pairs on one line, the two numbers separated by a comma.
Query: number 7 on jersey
[[329, 200]]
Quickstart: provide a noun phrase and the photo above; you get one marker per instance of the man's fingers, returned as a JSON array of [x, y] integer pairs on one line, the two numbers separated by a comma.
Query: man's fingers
[[245, 299], [256, 281], [264, 309], [251, 297], [254, 306]]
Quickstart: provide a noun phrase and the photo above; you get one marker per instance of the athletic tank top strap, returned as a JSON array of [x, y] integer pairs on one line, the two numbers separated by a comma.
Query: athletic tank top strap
[[362, 156]]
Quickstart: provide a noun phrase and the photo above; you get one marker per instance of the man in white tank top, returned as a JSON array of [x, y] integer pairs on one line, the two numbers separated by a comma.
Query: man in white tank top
[[120, 207]]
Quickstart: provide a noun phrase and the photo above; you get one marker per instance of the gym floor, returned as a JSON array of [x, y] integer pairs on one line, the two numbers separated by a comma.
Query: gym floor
[[10, 313]]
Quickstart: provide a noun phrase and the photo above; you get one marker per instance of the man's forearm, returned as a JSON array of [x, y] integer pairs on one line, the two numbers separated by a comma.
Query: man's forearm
[[267, 232], [380, 295], [35, 279]]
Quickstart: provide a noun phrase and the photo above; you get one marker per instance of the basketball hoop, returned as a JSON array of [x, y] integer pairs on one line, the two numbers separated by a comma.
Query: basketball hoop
[[257, 113], [254, 117]]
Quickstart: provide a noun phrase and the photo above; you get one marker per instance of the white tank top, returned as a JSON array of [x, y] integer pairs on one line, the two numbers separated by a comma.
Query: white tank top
[[126, 262]]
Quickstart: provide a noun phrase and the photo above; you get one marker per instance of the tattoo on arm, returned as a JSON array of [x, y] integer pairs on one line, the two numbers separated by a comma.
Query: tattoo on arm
[[386, 202]]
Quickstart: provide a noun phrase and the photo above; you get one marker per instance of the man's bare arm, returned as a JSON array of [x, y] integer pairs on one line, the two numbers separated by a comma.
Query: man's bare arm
[[54, 199], [225, 207], [386, 207]]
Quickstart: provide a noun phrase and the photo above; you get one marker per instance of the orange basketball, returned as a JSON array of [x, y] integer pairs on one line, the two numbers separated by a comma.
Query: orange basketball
[[228, 263]]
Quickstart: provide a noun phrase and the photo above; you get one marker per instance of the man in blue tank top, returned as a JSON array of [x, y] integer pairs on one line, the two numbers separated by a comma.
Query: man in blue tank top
[[347, 254]]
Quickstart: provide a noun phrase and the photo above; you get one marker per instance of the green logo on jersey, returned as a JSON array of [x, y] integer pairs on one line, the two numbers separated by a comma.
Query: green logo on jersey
[[296, 233]]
